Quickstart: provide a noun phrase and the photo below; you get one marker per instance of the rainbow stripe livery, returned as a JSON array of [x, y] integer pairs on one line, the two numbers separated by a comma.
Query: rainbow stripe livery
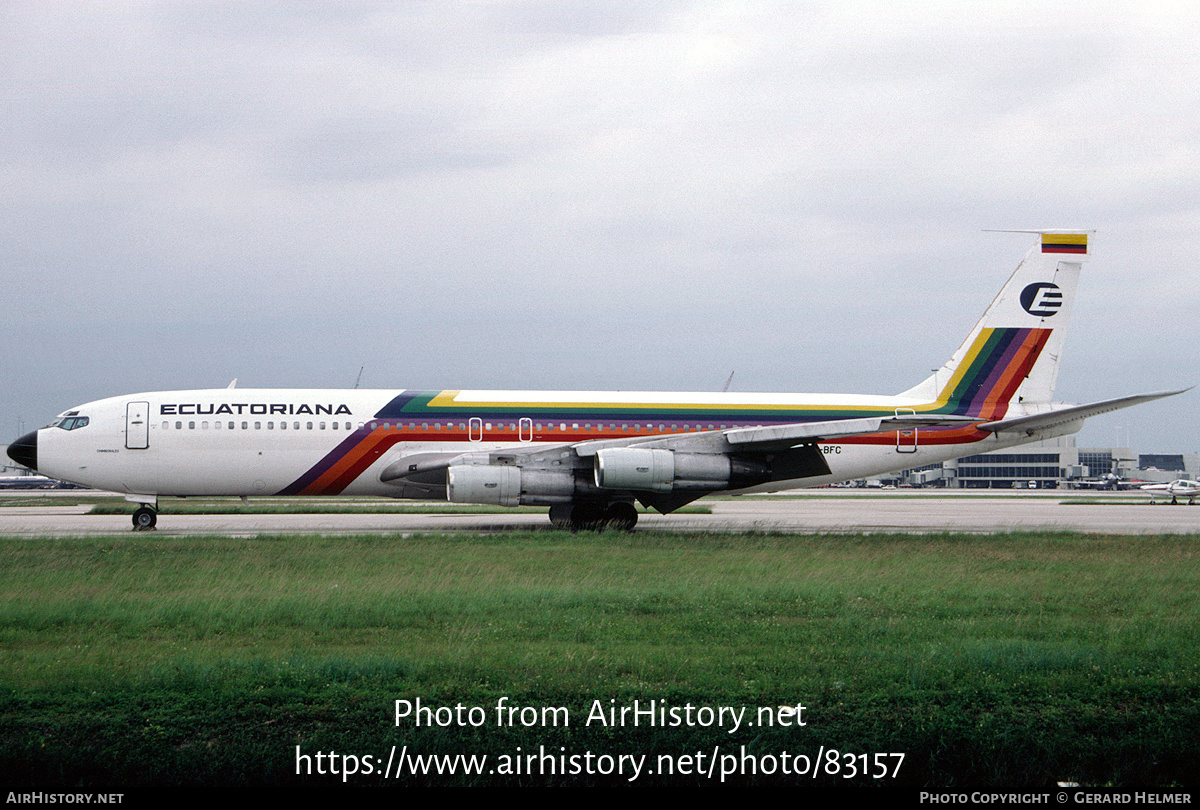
[[998, 362]]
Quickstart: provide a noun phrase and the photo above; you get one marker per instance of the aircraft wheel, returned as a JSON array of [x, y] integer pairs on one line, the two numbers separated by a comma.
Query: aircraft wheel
[[622, 516], [586, 516], [144, 519], [560, 515]]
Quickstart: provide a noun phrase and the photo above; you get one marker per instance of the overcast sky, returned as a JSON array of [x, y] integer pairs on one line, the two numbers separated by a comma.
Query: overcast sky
[[591, 195]]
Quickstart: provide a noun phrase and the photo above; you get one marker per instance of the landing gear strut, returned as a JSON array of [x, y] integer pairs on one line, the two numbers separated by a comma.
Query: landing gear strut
[[144, 519], [619, 516]]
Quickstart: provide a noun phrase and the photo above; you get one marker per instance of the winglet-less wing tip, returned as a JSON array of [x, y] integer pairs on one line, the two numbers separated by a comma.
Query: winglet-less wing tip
[[1051, 419]]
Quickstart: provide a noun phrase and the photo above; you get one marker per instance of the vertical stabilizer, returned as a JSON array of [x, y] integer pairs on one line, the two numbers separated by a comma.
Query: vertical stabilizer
[[1012, 353]]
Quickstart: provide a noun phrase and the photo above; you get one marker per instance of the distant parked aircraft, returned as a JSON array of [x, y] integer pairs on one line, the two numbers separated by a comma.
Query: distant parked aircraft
[[1179, 488]]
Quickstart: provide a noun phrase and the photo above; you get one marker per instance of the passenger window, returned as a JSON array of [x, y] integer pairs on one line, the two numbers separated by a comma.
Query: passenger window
[[258, 425], [309, 425]]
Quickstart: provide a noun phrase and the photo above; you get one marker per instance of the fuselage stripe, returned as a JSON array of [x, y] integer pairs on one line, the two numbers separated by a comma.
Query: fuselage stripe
[[988, 376]]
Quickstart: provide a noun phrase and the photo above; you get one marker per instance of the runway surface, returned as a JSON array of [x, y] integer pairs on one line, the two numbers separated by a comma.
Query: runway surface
[[830, 511]]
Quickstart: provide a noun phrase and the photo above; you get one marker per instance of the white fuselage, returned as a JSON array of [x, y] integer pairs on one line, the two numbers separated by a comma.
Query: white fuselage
[[320, 442]]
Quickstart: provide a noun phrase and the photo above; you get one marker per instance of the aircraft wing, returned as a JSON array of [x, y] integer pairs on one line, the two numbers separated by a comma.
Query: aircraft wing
[[791, 447], [1052, 419], [428, 469], [775, 437]]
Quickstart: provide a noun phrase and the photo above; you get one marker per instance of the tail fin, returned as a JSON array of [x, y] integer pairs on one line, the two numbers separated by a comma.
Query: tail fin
[[1012, 353]]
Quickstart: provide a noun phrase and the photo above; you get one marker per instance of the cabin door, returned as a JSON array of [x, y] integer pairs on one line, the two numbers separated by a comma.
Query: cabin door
[[137, 425]]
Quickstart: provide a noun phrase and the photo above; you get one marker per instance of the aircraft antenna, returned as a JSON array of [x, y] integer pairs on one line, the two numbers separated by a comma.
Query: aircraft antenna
[[359, 378], [727, 382]]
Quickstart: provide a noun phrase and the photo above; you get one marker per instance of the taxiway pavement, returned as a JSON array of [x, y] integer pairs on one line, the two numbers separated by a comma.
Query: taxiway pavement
[[832, 512]]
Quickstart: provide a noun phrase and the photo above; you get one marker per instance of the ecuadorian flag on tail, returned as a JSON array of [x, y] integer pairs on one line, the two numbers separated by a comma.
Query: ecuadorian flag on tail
[[1075, 243]]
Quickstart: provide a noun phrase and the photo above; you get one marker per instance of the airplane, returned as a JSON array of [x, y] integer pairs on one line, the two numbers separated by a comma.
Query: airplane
[[1179, 488], [588, 456], [1113, 481]]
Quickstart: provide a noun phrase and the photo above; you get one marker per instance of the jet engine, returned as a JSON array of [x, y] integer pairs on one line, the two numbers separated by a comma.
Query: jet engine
[[653, 470], [506, 485]]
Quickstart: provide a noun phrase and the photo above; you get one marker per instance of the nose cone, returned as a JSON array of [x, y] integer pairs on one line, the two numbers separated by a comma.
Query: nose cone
[[24, 450]]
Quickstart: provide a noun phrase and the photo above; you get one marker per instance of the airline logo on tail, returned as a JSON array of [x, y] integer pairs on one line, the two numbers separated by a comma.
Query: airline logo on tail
[[1041, 298]]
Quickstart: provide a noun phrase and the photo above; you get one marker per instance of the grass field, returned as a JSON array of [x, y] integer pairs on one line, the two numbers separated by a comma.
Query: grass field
[[1003, 660]]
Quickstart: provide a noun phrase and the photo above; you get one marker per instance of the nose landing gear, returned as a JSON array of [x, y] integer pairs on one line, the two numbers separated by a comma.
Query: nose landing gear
[[144, 519]]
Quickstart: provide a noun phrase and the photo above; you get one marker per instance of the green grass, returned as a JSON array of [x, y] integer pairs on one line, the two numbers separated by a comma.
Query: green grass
[[990, 660]]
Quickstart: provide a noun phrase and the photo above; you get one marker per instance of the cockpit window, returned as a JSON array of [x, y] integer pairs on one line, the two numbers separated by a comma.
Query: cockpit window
[[71, 422]]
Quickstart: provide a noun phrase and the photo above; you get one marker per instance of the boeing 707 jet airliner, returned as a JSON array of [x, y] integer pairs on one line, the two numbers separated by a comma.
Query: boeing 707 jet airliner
[[588, 456]]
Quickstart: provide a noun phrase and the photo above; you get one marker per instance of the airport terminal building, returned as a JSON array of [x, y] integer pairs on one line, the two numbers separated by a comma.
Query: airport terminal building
[[1050, 464]]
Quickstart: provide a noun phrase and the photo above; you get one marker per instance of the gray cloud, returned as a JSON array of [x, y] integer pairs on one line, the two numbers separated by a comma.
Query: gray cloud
[[634, 195]]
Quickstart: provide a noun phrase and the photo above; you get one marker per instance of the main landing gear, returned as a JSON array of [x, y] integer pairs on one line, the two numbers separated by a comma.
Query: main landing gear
[[619, 516], [144, 518]]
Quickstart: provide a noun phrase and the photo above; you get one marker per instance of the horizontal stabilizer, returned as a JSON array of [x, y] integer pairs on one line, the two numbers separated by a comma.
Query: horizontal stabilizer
[[1052, 419]]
